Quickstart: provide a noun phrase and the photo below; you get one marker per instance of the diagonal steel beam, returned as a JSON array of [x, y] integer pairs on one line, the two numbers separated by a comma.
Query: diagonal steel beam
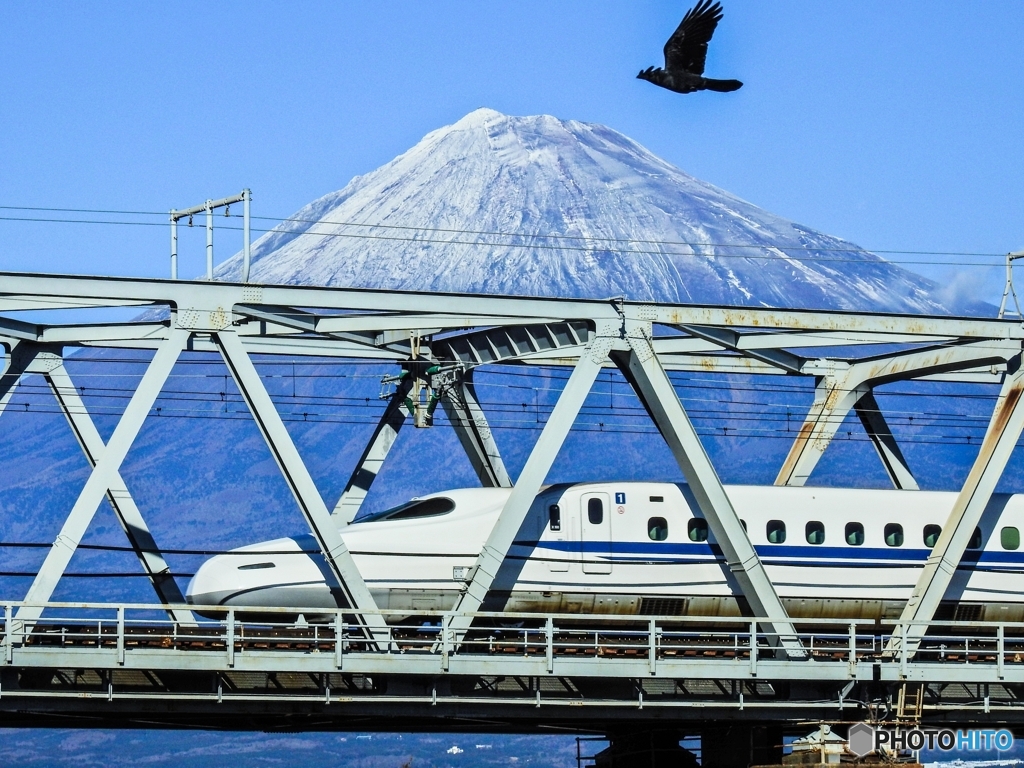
[[841, 385], [108, 463], [376, 451], [528, 485], [833, 398], [729, 339], [128, 514], [643, 370], [467, 418], [17, 361], [323, 527], [1001, 437], [888, 449]]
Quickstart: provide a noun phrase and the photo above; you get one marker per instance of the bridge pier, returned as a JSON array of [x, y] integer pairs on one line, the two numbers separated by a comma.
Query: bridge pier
[[738, 745], [732, 745], [645, 749]]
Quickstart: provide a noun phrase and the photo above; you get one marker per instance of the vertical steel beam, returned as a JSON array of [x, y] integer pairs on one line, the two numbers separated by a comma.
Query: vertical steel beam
[[885, 444], [652, 385], [128, 514], [376, 451], [529, 482], [1000, 439], [174, 246], [108, 463], [209, 240], [467, 418], [246, 243], [311, 503], [833, 399]]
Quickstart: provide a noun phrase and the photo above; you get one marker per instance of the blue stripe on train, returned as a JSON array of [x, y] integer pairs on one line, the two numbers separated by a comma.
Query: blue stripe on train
[[778, 554]]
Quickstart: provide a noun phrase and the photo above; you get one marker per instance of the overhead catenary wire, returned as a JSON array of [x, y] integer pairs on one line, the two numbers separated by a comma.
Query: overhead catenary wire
[[701, 409], [528, 236]]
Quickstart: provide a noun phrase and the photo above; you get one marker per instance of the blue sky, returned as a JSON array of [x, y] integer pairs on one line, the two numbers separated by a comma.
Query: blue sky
[[896, 125]]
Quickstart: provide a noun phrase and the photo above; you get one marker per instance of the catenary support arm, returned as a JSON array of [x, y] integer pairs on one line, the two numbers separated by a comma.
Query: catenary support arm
[[885, 444], [467, 418], [529, 483], [1000, 439], [652, 385], [128, 514], [311, 503], [108, 463], [376, 451]]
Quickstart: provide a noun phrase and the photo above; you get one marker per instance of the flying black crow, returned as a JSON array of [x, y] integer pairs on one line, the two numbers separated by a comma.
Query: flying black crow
[[685, 52]]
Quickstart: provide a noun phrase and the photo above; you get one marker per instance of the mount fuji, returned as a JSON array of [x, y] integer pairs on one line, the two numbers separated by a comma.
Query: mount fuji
[[546, 207], [579, 211]]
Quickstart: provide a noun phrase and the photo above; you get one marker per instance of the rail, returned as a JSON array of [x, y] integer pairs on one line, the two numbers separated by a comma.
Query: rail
[[141, 636]]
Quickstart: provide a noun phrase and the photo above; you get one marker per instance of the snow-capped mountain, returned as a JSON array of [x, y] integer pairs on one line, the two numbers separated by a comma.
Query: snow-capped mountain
[[545, 207]]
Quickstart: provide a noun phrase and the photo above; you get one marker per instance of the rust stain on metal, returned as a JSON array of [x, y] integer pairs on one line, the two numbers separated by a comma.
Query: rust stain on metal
[[1004, 409], [789, 465]]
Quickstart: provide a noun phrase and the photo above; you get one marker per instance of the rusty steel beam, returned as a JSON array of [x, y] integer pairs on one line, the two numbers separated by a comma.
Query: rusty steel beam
[[62, 290], [840, 386], [885, 444], [1001, 437]]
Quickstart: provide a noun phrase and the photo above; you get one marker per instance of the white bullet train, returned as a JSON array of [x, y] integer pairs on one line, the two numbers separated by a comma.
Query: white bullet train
[[645, 549]]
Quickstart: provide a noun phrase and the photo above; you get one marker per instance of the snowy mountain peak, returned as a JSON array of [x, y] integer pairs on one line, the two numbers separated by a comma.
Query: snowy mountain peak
[[547, 207]]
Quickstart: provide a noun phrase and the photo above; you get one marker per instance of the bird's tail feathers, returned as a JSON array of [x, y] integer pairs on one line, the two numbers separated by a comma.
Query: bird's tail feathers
[[722, 86]]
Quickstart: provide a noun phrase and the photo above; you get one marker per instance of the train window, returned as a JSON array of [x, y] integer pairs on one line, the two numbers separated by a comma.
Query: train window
[[975, 542], [854, 534], [744, 524], [697, 529], [555, 517], [1009, 537], [657, 498], [815, 532], [255, 566], [657, 528], [775, 530], [595, 511], [931, 535], [894, 535], [439, 505]]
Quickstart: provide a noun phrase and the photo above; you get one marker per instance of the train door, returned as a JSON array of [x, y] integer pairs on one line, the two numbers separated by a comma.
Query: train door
[[595, 533]]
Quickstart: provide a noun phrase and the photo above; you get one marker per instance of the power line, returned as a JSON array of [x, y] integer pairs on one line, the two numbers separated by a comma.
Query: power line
[[537, 236]]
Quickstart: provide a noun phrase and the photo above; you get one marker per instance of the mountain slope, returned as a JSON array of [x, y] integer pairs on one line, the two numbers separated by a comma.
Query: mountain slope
[[544, 207]]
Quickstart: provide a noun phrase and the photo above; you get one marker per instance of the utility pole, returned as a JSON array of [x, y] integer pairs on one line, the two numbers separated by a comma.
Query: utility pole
[[244, 197]]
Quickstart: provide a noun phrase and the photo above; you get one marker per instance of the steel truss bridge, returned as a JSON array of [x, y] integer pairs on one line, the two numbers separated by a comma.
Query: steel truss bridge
[[160, 664]]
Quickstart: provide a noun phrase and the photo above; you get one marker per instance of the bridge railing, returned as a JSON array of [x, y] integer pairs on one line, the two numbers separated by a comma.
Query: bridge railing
[[120, 632]]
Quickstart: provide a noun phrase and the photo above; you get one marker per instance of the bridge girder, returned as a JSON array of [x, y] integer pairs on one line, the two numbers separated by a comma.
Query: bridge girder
[[236, 320]]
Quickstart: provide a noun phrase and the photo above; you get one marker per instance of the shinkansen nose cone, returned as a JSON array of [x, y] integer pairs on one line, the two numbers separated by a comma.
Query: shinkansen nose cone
[[282, 572]]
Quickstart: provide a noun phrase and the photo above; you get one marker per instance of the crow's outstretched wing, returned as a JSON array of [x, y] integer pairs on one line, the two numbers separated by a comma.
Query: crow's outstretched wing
[[688, 47]]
